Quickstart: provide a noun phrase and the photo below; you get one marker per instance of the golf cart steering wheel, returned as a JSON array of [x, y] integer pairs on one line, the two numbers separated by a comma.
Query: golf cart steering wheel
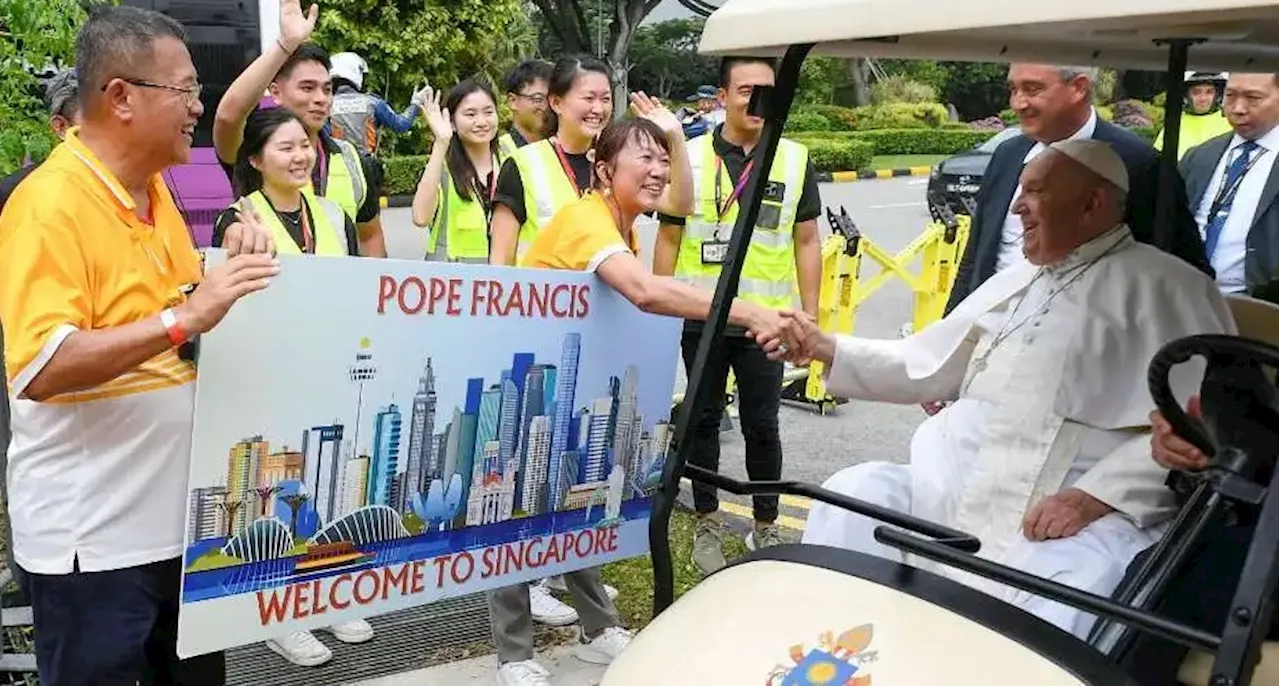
[[1226, 357]]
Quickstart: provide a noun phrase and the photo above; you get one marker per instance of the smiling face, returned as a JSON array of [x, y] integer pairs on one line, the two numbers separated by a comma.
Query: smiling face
[[736, 94], [586, 108], [307, 91], [476, 118], [286, 158], [638, 173], [1062, 206], [164, 104], [1049, 107]]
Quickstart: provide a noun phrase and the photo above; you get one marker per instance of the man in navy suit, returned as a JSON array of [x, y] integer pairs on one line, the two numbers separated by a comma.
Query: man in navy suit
[[1054, 103]]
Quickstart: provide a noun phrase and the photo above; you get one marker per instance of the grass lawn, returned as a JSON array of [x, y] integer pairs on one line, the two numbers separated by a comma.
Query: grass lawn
[[634, 578], [904, 161]]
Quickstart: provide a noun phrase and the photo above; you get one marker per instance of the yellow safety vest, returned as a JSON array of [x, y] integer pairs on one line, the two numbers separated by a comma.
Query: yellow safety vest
[[507, 145], [467, 225], [346, 184], [1196, 129], [769, 273], [546, 189], [328, 231]]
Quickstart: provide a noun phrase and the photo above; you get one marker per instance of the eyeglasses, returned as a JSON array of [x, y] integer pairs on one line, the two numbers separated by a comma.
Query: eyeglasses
[[536, 99], [192, 92]]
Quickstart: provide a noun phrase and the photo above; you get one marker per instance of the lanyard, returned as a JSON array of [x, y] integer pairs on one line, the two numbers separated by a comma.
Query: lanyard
[[1227, 194], [568, 170], [308, 240], [322, 165], [723, 208], [490, 194]]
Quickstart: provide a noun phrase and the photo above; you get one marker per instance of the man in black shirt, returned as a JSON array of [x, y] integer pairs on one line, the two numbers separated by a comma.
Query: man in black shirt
[[61, 97], [688, 250]]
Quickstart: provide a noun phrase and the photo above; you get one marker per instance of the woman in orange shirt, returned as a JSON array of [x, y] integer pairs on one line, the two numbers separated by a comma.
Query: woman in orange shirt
[[595, 233]]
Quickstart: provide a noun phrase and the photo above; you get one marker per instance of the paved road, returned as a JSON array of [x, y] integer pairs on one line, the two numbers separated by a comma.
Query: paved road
[[891, 212]]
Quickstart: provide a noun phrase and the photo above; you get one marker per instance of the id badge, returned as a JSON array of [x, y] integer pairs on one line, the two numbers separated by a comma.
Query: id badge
[[714, 252]]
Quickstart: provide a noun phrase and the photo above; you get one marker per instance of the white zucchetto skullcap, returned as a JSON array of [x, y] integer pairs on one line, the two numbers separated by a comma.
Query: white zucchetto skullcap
[[1099, 157]]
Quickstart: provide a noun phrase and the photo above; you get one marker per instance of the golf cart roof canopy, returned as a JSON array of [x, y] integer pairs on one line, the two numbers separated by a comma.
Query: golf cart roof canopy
[[1240, 35]]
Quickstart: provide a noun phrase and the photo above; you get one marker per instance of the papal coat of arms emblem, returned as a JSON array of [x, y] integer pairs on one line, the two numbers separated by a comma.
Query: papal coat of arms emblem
[[836, 661]]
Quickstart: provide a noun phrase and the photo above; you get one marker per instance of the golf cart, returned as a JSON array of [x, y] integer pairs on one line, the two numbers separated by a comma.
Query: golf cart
[[798, 614]]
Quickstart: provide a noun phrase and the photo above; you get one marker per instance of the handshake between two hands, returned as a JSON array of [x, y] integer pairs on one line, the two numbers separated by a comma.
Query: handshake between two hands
[[790, 336]]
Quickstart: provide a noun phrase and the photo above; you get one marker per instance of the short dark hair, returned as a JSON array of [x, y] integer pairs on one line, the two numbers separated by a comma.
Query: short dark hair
[[525, 74], [115, 41], [308, 52], [616, 135], [728, 63]]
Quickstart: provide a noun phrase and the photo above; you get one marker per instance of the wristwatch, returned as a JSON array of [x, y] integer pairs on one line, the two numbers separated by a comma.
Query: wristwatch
[[177, 335]]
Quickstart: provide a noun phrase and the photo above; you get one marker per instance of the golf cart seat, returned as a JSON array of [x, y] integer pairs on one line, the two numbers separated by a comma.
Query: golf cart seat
[[804, 614], [1258, 320]]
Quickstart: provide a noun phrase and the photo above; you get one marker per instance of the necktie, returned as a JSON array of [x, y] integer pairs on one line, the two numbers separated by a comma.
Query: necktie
[[1227, 195]]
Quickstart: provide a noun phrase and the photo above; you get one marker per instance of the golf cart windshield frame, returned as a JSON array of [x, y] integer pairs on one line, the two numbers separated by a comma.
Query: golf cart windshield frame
[[1236, 649]]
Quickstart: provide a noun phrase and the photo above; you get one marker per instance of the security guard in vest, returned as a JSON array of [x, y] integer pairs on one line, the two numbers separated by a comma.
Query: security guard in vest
[[526, 87], [455, 195], [297, 77], [784, 256], [270, 176], [1202, 115]]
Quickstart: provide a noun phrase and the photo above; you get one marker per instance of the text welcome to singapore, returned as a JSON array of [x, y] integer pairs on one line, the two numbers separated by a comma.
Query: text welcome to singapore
[[482, 298], [315, 597]]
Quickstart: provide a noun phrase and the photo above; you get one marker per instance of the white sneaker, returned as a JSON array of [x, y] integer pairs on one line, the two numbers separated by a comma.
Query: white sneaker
[[301, 648], [523, 673], [602, 649], [548, 609], [354, 631], [556, 583]]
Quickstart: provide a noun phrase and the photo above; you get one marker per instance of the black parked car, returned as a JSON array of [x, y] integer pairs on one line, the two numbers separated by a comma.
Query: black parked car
[[957, 178]]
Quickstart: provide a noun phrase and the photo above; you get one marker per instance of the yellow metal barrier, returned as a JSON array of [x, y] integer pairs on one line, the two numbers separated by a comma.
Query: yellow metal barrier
[[939, 248]]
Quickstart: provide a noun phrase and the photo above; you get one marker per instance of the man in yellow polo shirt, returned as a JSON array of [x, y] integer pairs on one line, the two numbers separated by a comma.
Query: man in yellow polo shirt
[[93, 298]]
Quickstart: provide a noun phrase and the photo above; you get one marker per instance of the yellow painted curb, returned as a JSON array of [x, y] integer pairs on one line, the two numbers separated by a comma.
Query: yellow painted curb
[[382, 202], [920, 171], [784, 521], [844, 176], [884, 173]]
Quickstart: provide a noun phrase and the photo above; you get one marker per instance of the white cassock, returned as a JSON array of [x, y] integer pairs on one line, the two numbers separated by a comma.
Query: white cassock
[[1048, 369]]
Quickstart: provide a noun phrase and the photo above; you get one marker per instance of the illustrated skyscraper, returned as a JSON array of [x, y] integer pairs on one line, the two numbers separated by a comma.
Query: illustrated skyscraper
[[321, 469], [386, 455], [533, 397], [422, 425], [566, 385], [361, 372]]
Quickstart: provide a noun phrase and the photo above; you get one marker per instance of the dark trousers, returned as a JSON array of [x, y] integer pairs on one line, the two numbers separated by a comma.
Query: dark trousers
[[759, 392], [1199, 597], [115, 628]]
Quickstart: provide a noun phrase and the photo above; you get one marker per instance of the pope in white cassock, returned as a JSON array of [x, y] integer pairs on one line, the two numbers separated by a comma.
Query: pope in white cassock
[[1045, 452]]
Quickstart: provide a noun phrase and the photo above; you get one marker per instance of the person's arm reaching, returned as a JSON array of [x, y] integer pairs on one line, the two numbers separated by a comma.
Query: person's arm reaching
[[666, 296], [806, 242], [243, 94], [385, 116]]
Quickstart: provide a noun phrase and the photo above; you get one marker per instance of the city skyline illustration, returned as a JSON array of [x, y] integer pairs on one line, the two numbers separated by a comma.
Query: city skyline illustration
[[526, 441]]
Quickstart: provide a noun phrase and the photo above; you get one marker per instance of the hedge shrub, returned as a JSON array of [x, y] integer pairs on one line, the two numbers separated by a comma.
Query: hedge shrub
[[402, 174], [907, 141], [807, 121], [838, 118], [839, 154], [900, 116]]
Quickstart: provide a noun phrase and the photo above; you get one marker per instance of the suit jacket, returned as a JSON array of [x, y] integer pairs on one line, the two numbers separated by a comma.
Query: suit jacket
[[1001, 181], [1261, 248]]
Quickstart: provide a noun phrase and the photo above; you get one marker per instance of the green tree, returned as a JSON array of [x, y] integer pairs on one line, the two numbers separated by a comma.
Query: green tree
[[665, 61], [409, 42], [34, 37], [595, 27]]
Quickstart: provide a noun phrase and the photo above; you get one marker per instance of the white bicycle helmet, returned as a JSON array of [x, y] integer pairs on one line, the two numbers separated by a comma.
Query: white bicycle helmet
[[349, 66], [1193, 78]]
